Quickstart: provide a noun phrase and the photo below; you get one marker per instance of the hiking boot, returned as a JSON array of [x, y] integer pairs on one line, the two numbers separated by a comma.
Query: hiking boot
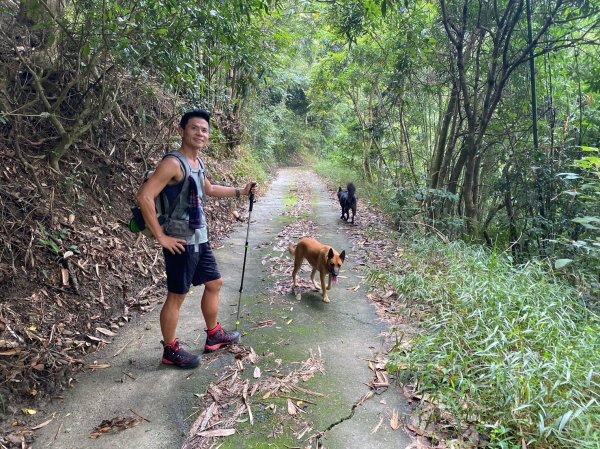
[[218, 337], [174, 354]]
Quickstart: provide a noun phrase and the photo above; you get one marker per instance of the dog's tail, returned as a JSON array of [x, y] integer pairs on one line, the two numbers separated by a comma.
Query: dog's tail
[[351, 189], [292, 249]]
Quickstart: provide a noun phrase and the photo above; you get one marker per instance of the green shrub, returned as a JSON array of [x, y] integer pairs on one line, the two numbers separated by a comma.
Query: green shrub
[[508, 348]]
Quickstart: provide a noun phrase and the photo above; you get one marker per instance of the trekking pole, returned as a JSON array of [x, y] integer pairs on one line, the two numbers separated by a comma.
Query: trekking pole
[[251, 199]]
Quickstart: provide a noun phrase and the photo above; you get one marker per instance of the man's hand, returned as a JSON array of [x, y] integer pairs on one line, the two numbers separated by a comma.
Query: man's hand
[[252, 186], [171, 244]]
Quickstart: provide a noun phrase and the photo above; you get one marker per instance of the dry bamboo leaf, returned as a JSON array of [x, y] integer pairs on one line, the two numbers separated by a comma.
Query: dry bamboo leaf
[[11, 352], [203, 420], [303, 432], [217, 433], [256, 372], [245, 397], [382, 379], [376, 428], [292, 408], [42, 425], [304, 390], [105, 332], [252, 356], [381, 364], [365, 397], [395, 421], [100, 366], [96, 339], [65, 276]]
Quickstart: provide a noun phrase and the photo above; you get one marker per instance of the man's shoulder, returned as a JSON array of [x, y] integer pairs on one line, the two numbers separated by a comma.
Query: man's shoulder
[[172, 165]]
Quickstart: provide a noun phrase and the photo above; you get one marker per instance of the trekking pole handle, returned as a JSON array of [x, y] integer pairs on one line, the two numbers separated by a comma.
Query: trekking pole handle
[[251, 198]]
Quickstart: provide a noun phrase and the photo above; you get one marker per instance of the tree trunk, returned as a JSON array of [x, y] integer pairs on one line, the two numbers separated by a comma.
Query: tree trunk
[[440, 151], [469, 179]]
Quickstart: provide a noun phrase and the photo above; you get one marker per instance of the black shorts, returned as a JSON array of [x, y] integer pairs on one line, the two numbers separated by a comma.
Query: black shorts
[[190, 268]]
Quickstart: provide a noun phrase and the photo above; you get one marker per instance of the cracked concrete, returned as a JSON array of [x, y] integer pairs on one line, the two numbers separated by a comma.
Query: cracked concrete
[[347, 333]]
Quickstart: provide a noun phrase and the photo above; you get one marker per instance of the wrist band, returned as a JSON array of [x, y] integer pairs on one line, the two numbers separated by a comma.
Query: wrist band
[[237, 192]]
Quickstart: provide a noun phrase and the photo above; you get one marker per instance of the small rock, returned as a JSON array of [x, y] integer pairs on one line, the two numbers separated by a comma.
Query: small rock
[[148, 327]]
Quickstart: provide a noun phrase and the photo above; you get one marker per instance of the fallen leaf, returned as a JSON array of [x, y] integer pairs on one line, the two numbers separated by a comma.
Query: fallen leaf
[[105, 332], [96, 339], [252, 356], [376, 428], [395, 421], [103, 366], [65, 276], [29, 411], [256, 372], [217, 433], [365, 397], [44, 424], [115, 424], [292, 409], [11, 352]]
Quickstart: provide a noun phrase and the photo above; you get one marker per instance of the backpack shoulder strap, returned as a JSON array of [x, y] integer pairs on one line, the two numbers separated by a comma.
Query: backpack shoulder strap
[[185, 167]]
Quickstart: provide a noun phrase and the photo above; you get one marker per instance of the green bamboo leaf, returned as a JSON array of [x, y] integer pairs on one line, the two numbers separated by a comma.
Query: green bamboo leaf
[[564, 419], [560, 263]]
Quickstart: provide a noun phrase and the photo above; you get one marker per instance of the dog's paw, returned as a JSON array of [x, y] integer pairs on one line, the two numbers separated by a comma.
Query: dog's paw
[[325, 298]]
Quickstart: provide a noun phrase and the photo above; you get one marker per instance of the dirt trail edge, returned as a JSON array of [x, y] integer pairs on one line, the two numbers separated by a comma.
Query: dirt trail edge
[[340, 400]]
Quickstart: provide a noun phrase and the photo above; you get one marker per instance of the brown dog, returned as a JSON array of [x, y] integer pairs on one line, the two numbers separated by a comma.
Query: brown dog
[[322, 258]]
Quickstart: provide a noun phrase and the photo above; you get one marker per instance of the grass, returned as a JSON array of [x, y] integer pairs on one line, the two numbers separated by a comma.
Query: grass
[[508, 348]]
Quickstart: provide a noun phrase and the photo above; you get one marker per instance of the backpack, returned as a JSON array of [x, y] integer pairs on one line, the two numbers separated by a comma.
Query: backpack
[[164, 210]]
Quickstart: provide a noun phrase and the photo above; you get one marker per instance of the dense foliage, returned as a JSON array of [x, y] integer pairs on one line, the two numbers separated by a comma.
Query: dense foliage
[[510, 349]]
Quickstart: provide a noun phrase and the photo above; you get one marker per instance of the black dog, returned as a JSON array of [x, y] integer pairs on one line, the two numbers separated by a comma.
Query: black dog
[[348, 202]]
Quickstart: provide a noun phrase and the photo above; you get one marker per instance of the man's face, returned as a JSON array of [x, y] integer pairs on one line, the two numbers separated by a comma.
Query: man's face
[[196, 133]]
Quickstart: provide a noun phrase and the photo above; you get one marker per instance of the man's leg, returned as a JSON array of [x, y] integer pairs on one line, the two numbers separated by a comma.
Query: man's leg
[[210, 302], [169, 316], [216, 336], [173, 353]]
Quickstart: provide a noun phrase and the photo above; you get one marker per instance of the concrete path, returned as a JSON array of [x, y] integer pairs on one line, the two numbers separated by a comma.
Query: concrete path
[[346, 333]]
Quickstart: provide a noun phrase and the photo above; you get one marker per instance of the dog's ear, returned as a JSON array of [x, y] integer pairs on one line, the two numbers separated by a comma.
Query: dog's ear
[[330, 254], [343, 255]]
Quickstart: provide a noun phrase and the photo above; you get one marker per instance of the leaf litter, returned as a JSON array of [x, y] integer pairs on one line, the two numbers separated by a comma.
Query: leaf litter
[[231, 397]]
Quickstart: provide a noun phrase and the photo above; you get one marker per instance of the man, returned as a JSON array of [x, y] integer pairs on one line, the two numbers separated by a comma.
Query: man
[[188, 257]]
